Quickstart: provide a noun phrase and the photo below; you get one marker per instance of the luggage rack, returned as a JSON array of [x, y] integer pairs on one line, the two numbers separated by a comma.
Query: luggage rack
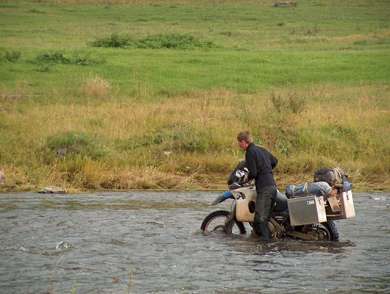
[[315, 209], [340, 206]]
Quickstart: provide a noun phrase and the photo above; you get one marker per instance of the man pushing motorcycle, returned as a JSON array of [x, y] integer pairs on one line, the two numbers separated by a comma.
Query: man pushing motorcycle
[[260, 163]]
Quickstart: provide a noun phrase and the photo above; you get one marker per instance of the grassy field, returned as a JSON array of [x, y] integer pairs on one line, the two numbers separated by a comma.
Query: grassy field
[[151, 94]]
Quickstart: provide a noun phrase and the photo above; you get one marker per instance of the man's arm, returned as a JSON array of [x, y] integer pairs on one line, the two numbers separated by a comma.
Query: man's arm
[[251, 164]]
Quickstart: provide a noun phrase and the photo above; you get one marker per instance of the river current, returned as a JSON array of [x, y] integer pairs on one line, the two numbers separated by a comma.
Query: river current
[[150, 242]]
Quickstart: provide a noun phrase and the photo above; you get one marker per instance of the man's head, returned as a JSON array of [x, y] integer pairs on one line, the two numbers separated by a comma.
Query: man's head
[[244, 139]]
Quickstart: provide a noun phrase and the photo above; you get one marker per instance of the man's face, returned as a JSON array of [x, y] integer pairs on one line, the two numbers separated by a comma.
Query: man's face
[[243, 145]]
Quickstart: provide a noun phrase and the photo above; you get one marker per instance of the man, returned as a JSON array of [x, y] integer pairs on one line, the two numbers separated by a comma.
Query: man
[[260, 163]]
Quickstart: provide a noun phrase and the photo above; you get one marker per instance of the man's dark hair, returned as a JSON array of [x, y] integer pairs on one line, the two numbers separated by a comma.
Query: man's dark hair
[[244, 136]]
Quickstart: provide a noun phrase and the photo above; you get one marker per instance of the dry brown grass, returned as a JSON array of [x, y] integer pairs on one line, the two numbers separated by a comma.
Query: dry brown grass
[[216, 117], [351, 39], [96, 87]]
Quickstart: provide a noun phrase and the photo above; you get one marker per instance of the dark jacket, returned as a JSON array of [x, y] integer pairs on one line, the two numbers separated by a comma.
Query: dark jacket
[[260, 163]]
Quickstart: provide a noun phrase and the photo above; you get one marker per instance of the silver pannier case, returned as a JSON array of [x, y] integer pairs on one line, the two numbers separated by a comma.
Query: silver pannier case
[[306, 210]]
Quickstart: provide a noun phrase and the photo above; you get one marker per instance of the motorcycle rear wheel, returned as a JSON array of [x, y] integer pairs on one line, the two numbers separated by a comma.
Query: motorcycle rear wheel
[[327, 231], [331, 227], [219, 221]]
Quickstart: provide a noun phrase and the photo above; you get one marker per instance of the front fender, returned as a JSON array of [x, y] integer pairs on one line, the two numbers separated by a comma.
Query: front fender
[[221, 198]]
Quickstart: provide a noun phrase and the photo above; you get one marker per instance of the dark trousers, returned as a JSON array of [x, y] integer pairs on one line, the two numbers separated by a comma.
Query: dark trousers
[[264, 201]]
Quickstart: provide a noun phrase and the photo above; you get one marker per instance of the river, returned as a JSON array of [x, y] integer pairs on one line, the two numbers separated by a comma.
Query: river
[[150, 242]]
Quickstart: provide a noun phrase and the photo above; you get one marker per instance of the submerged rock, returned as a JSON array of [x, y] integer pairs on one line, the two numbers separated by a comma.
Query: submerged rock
[[52, 190], [63, 245], [377, 198], [23, 249]]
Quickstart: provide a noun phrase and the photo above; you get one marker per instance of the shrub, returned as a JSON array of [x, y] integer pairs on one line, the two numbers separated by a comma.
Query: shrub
[[291, 103], [70, 144], [10, 55], [36, 11], [168, 41], [75, 58], [85, 59], [173, 41], [113, 41], [52, 57]]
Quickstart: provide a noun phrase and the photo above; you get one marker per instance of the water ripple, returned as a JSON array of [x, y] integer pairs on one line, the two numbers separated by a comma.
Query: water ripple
[[151, 243]]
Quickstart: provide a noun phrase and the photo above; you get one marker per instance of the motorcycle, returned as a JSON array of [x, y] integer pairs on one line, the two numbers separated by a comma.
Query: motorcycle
[[310, 217]]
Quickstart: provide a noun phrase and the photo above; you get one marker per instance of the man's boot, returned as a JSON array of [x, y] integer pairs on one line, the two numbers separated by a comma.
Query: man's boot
[[261, 228], [265, 233]]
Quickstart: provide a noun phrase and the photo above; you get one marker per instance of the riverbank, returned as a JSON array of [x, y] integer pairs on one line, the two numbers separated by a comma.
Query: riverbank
[[129, 95], [203, 183]]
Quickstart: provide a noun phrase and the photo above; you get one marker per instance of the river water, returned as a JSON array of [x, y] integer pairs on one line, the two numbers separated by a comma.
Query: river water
[[149, 242]]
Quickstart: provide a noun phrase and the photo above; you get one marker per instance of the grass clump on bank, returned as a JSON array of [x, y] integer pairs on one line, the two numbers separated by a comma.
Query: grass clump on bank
[[96, 87], [160, 41], [70, 144], [172, 138]]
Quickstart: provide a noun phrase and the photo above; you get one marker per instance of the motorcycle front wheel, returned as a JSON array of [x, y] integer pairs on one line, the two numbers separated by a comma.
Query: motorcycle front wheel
[[220, 221]]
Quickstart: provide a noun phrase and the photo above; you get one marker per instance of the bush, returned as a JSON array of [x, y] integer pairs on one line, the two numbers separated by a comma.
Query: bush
[[291, 103], [59, 57], [52, 57], [168, 41], [85, 59], [173, 41], [10, 55], [70, 144], [36, 11], [113, 41]]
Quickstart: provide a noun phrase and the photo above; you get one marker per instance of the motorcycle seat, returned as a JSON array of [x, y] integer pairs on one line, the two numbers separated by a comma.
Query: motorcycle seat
[[280, 202]]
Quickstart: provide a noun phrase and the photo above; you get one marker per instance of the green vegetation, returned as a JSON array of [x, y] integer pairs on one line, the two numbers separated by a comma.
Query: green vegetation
[[10, 56], [151, 94], [170, 41], [73, 144], [61, 58]]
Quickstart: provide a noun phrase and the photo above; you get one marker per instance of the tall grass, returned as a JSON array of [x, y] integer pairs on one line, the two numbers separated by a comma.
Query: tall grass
[[311, 82], [96, 87], [165, 144]]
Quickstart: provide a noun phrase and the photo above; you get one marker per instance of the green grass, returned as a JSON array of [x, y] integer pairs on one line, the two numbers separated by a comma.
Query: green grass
[[258, 45], [162, 87], [177, 72]]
